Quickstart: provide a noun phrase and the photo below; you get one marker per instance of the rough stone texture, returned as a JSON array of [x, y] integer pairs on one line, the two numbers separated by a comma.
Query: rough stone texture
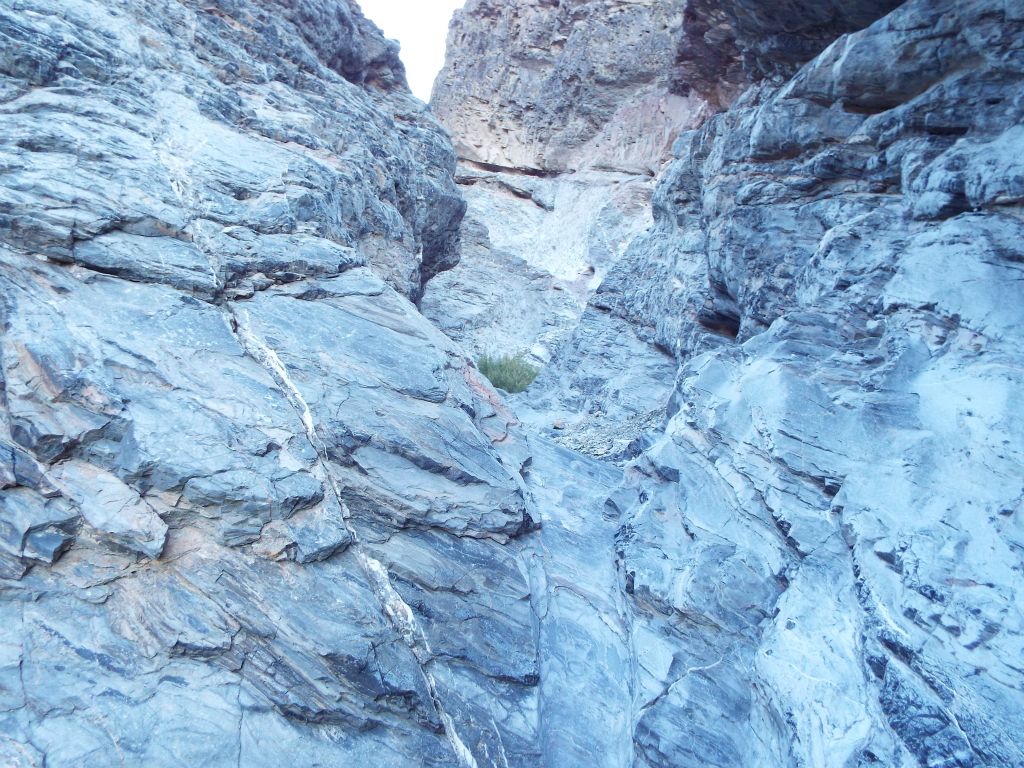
[[584, 654], [559, 86], [532, 252], [256, 510], [819, 555], [604, 390], [536, 96], [725, 46], [246, 490], [561, 113], [240, 112], [822, 552]]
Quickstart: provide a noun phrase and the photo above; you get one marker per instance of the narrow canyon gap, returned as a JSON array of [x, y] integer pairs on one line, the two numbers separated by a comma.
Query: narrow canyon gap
[[761, 507]]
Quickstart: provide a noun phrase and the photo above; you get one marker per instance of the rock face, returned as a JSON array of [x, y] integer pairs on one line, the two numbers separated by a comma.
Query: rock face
[[256, 509], [246, 489], [822, 551], [561, 114], [532, 252], [559, 86], [818, 556], [724, 47]]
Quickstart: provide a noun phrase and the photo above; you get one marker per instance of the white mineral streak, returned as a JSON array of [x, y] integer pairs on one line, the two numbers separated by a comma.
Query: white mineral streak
[[397, 611]]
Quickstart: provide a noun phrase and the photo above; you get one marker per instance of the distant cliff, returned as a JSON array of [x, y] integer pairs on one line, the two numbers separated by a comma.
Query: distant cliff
[[561, 114], [547, 86]]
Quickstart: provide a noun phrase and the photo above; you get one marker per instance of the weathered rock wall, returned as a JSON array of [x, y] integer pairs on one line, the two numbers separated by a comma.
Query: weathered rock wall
[[246, 490], [561, 114], [724, 47], [559, 86], [256, 510], [532, 252], [540, 95], [553, 86], [822, 551]]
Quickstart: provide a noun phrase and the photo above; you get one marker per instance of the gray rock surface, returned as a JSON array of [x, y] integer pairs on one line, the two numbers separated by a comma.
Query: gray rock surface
[[725, 46], [245, 487], [559, 86], [561, 114], [819, 555], [256, 509], [822, 549], [532, 252], [585, 658]]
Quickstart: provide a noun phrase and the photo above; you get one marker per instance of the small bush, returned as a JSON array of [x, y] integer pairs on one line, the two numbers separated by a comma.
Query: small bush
[[508, 372]]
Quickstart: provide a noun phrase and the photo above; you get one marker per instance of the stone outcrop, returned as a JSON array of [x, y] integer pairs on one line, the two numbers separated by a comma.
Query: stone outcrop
[[561, 114], [547, 87], [725, 47], [246, 489], [821, 550], [558, 86], [257, 509], [532, 252], [818, 554]]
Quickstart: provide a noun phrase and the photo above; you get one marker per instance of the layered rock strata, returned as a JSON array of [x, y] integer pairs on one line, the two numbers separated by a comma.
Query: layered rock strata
[[561, 114], [554, 87], [255, 509], [246, 490], [818, 556], [532, 252], [821, 552]]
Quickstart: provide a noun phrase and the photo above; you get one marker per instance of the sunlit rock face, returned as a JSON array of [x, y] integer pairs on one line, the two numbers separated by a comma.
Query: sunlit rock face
[[561, 112], [560, 85]]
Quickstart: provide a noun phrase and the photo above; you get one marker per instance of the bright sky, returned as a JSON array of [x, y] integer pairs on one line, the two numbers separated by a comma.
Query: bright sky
[[421, 26]]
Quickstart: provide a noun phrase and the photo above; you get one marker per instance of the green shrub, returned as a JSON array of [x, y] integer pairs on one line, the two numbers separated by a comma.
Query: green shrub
[[508, 372]]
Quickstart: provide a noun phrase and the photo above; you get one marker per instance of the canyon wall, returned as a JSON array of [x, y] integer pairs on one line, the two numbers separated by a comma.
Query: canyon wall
[[816, 551], [562, 114], [257, 509], [558, 86], [246, 490], [822, 547]]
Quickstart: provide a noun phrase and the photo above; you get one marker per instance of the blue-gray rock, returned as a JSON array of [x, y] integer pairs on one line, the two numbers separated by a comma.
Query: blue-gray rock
[[822, 548], [242, 479], [256, 509]]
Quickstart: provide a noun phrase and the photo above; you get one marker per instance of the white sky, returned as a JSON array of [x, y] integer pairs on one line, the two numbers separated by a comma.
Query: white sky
[[421, 26]]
